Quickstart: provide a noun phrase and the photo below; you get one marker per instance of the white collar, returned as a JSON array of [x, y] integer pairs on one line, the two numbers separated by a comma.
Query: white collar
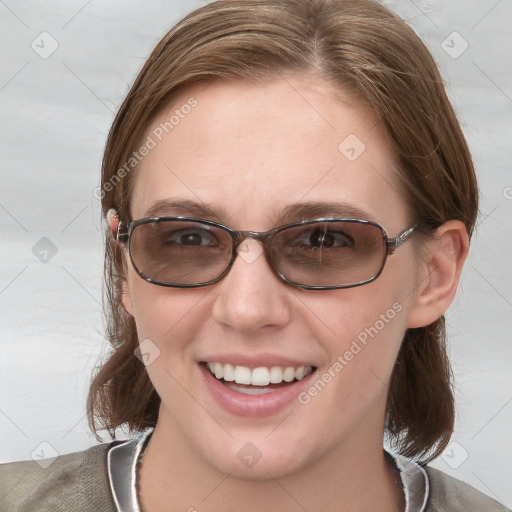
[[122, 462], [414, 482]]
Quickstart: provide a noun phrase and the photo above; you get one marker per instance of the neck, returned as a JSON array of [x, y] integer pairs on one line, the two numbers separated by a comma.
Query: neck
[[355, 476]]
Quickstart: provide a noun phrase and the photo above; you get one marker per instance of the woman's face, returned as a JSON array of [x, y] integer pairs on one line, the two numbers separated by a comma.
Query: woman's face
[[251, 152]]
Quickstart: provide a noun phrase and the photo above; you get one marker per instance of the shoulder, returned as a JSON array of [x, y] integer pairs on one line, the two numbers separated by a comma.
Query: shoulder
[[447, 494], [73, 482]]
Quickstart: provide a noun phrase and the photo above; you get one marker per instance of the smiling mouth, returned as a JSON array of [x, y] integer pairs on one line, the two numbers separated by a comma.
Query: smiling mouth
[[257, 381]]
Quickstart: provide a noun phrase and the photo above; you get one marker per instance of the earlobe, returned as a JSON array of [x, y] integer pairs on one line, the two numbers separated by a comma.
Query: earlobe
[[444, 258]]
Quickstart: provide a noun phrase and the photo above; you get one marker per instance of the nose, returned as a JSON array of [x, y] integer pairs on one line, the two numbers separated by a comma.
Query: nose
[[251, 296]]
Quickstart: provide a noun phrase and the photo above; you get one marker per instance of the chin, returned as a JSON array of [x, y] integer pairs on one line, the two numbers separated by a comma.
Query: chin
[[260, 457], [268, 467]]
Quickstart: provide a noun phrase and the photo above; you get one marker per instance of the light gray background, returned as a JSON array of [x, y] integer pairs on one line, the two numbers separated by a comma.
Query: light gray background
[[55, 116]]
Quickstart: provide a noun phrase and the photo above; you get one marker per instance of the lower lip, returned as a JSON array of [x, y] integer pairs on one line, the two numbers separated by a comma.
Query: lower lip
[[241, 404]]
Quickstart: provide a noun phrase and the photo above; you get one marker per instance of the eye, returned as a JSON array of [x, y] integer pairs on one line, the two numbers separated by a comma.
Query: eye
[[324, 238], [192, 237]]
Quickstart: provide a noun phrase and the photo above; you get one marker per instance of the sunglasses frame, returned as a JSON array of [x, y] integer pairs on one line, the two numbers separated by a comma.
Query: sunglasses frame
[[125, 230]]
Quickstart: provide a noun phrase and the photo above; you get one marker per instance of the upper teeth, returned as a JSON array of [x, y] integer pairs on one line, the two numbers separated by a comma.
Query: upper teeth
[[261, 376]]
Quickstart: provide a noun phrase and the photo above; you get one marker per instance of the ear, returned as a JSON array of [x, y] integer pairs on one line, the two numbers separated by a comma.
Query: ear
[[113, 224], [442, 262]]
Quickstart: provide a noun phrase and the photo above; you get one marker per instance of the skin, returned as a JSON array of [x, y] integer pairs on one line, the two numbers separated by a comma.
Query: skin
[[251, 150]]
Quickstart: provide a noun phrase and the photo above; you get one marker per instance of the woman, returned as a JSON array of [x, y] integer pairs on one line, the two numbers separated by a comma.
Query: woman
[[289, 201]]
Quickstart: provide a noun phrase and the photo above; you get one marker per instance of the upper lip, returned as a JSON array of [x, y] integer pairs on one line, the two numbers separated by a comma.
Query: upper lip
[[261, 360]]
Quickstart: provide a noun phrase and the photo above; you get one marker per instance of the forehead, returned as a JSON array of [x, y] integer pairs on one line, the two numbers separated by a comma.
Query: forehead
[[250, 151]]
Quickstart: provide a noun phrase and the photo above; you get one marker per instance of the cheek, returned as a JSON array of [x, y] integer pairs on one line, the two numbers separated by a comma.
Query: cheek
[[366, 328], [357, 313], [168, 317], [369, 337], [362, 328]]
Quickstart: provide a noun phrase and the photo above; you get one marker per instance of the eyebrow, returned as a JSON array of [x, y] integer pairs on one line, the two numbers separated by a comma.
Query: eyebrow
[[290, 213], [185, 207], [318, 209]]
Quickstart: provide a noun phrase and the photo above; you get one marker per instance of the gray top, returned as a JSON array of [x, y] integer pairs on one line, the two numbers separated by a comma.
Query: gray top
[[91, 480]]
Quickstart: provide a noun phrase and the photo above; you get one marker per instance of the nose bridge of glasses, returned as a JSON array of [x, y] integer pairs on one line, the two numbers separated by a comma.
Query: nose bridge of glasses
[[240, 236]]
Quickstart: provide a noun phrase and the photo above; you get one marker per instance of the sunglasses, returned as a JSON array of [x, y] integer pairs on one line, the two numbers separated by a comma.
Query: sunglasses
[[319, 254]]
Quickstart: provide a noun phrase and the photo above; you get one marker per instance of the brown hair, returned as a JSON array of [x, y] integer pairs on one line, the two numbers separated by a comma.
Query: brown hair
[[358, 44]]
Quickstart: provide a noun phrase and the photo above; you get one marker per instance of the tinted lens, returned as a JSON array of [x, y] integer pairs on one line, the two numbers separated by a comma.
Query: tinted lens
[[338, 253], [180, 252]]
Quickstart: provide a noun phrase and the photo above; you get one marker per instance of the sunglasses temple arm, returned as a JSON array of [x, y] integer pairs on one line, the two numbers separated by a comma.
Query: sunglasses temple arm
[[122, 233], [394, 243]]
